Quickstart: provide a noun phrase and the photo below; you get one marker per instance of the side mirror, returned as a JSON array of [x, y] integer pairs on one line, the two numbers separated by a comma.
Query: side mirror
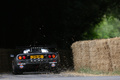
[[12, 55]]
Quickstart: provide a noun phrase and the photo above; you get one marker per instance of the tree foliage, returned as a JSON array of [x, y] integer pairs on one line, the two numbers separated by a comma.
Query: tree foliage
[[108, 28]]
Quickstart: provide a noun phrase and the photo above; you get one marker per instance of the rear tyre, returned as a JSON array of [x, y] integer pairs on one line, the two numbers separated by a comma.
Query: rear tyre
[[15, 70]]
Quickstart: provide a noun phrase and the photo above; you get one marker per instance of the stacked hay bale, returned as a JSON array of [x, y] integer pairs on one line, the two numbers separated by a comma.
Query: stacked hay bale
[[115, 53], [81, 55], [99, 55], [102, 55]]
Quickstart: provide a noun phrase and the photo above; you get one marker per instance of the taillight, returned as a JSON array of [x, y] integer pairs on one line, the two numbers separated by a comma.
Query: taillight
[[19, 57], [53, 56], [24, 57], [49, 56]]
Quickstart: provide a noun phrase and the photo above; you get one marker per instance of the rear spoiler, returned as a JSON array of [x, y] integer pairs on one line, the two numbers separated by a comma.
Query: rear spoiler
[[21, 48]]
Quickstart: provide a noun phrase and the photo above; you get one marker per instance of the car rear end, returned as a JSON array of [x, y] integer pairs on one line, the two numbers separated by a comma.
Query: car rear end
[[36, 61]]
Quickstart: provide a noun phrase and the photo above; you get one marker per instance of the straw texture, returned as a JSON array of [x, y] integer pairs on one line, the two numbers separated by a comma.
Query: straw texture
[[102, 55]]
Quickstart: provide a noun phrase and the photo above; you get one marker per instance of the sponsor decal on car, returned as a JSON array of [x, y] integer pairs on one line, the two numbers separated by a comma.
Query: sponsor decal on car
[[52, 65], [21, 66]]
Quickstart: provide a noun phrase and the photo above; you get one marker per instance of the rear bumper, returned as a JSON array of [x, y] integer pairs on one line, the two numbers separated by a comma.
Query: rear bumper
[[36, 67]]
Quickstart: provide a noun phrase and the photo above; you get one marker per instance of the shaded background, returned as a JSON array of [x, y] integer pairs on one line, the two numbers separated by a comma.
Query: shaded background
[[59, 22]]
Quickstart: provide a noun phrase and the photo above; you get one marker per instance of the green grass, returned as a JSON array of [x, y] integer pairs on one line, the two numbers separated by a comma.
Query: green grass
[[89, 71], [116, 72]]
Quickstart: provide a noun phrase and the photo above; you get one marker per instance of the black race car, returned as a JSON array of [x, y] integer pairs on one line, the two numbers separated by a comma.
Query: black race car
[[36, 59]]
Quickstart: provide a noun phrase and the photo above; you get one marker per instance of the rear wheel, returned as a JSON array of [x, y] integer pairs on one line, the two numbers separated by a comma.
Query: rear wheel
[[15, 70]]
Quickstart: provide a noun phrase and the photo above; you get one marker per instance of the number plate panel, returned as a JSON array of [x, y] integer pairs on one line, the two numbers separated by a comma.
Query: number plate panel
[[36, 56]]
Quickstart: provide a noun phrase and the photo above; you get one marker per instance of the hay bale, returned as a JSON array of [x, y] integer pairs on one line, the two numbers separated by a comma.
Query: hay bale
[[115, 53], [102, 55], [99, 58], [82, 53]]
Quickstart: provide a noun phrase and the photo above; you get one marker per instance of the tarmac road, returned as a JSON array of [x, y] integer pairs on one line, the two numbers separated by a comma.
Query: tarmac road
[[50, 76]]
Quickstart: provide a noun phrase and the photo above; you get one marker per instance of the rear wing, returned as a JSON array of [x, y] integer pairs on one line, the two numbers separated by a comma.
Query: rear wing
[[52, 48]]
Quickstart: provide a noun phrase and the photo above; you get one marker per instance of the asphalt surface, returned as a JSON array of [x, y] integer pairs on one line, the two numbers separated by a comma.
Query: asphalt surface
[[50, 76]]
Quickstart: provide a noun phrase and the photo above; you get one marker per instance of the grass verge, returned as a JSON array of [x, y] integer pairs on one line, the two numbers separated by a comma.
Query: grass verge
[[89, 71]]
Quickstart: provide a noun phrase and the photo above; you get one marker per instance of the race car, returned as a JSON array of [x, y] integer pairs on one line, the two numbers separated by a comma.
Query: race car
[[36, 59]]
